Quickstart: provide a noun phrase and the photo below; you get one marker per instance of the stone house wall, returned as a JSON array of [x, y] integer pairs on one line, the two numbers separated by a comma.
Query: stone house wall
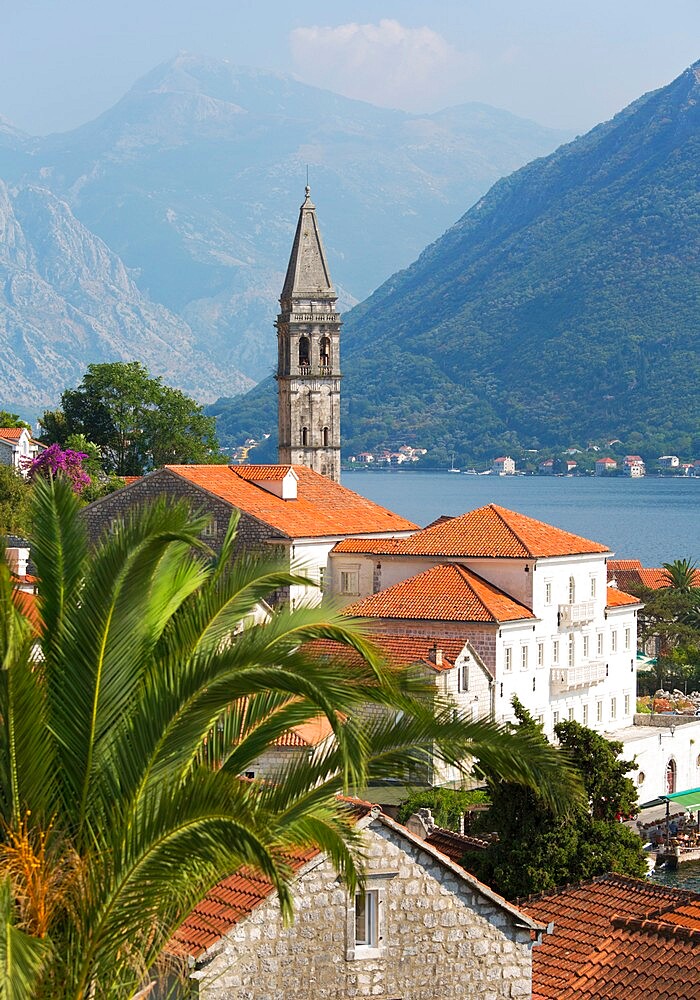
[[439, 938]]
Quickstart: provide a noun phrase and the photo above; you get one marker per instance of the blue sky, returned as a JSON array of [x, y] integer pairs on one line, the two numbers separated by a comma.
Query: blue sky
[[563, 63]]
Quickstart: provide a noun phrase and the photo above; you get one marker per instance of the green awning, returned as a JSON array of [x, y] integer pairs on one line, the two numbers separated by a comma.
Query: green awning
[[686, 800]]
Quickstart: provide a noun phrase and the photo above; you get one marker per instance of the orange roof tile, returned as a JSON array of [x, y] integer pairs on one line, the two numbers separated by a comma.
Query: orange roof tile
[[617, 564], [368, 546], [27, 603], [322, 508], [490, 532], [307, 734], [399, 650], [12, 433], [454, 845], [583, 919], [617, 598], [262, 473], [446, 592], [131, 479]]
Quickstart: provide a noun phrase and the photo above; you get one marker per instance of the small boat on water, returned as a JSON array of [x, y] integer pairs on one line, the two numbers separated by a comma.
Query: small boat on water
[[452, 467], [470, 472]]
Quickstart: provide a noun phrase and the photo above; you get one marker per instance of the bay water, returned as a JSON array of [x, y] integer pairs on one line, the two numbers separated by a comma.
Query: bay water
[[654, 519]]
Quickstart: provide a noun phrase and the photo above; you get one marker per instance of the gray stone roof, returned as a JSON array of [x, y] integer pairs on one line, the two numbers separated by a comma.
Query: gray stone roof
[[307, 274]]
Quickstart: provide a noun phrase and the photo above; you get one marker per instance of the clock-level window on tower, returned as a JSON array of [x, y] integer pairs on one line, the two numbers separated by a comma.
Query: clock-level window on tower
[[305, 437], [326, 437], [304, 352], [325, 356]]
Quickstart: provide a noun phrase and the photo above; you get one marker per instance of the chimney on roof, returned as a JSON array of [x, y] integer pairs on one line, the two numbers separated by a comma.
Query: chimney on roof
[[17, 559], [435, 655], [421, 823]]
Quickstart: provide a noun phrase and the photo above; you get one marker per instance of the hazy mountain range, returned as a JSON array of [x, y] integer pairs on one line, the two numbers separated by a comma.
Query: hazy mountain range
[[194, 179], [564, 305]]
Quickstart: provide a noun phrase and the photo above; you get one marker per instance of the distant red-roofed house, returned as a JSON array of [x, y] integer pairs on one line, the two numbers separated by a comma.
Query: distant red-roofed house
[[605, 465], [503, 466], [288, 513], [546, 468], [17, 447], [425, 928]]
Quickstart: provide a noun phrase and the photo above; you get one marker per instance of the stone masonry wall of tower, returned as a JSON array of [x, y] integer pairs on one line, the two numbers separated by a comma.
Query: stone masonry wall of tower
[[308, 365]]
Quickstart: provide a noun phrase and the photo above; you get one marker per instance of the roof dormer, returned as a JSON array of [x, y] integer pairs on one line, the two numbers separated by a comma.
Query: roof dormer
[[280, 480]]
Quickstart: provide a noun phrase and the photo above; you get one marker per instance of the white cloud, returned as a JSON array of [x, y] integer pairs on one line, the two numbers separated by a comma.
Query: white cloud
[[385, 63]]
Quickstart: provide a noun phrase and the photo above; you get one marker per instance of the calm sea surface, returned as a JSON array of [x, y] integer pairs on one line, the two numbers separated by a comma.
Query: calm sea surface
[[652, 519]]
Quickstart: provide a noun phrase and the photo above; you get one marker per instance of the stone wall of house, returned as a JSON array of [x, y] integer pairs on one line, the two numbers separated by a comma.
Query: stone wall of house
[[439, 939], [252, 536]]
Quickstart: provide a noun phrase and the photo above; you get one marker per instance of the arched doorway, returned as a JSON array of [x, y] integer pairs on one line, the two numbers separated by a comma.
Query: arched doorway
[[671, 776]]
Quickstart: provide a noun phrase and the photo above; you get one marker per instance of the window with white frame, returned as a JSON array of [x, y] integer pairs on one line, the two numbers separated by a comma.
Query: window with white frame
[[350, 580], [585, 715], [613, 708], [571, 715], [321, 578], [555, 651], [508, 658], [523, 657], [586, 646], [628, 637], [209, 530], [600, 644], [540, 654], [593, 582], [555, 718], [572, 649], [599, 711], [572, 590], [627, 704], [613, 641], [547, 591], [367, 919], [463, 678]]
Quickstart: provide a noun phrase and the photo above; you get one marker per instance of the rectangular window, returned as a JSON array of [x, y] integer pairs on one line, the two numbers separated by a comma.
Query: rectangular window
[[599, 711], [585, 715], [613, 708], [523, 657], [508, 658], [586, 646], [540, 654], [627, 704], [555, 651], [628, 638], [209, 529], [463, 678], [571, 715], [600, 644], [613, 641], [555, 718], [321, 578], [572, 649], [349, 581], [592, 586], [548, 592], [366, 919]]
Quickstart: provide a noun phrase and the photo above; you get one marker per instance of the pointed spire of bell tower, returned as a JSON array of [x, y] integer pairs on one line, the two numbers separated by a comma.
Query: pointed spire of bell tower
[[308, 366]]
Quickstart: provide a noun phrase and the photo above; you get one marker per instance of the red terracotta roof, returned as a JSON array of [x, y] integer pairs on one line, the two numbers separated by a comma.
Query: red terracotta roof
[[12, 433], [617, 598], [583, 918], [263, 473], [490, 532], [307, 734], [630, 573], [27, 603], [454, 845], [322, 507], [614, 565], [368, 546], [446, 592], [131, 479], [399, 650], [641, 960]]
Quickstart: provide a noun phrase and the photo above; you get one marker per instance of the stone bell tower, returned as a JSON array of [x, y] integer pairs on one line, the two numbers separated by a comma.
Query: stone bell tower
[[308, 365]]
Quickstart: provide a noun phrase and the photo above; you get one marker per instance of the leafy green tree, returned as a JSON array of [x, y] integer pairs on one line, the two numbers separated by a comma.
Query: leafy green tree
[[113, 821], [15, 501], [8, 419], [447, 805], [137, 422], [538, 849]]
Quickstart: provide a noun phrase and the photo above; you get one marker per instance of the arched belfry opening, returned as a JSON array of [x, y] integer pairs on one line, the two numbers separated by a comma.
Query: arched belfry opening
[[308, 375]]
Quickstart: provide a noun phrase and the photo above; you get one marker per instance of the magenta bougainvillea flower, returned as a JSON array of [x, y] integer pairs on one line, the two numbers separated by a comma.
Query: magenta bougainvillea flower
[[56, 461]]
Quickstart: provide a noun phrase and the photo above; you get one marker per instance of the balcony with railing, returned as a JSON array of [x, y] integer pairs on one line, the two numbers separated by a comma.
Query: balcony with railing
[[576, 614], [580, 676]]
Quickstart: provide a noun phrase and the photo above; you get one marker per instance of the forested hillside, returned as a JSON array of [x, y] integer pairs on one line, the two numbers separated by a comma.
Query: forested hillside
[[563, 306]]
